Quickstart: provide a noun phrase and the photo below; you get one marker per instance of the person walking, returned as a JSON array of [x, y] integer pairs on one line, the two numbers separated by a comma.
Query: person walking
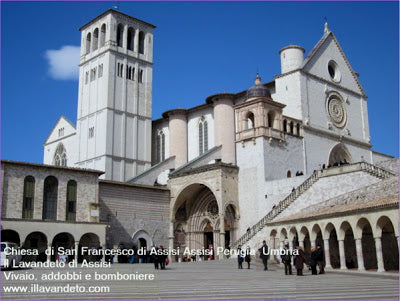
[[287, 260], [240, 257], [313, 261], [264, 254], [247, 258], [320, 259], [162, 258], [300, 261], [155, 257]]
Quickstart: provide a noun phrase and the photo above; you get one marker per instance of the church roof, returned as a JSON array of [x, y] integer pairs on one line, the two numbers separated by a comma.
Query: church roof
[[318, 46], [118, 13], [359, 200], [55, 125], [258, 90], [99, 172]]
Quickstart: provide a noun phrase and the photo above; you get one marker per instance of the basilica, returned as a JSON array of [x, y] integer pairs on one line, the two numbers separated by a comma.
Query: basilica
[[288, 161]]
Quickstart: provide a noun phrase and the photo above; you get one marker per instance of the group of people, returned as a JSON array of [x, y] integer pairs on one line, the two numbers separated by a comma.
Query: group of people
[[245, 256], [316, 259], [159, 258]]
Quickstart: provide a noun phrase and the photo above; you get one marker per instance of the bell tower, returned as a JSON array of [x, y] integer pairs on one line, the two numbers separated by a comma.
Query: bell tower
[[115, 95]]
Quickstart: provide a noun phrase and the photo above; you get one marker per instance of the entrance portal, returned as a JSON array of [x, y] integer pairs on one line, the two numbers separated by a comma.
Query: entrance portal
[[208, 236]]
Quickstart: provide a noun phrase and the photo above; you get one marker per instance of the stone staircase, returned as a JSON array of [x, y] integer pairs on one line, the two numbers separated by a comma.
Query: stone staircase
[[373, 170]]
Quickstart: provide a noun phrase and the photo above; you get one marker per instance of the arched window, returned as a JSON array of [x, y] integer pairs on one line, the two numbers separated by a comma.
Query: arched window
[[250, 121], [71, 201], [102, 35], [160, 146], [298, 129], [50, 192], [29, 194], [141, 42], [120, 34], [203, 136], [285, 126], [131, 39], [271, 117], [291, 128], [95, 39], [289, 174], [60, 156], [88, 40], [140, 79]]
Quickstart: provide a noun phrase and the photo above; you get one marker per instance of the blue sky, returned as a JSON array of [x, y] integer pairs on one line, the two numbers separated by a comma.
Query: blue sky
[[200, 48]]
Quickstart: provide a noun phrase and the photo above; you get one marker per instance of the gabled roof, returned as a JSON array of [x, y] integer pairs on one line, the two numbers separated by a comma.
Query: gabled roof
[[318, 46], [58, 120], [117, 13]]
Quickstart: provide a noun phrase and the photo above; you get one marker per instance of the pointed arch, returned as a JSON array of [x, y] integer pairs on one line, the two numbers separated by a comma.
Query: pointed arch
[[60, 156], [339, 153]]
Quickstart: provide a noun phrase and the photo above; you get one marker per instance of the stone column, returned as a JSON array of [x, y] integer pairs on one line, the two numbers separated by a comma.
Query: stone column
[[221, 234], [327, 254], [342, 255], [49, 252], [290, 244], [276, 243], [76, 247], [171, 238], [125, 36], [379, 256], [301, 244], [313, 243], [360, 258], [136, 41]]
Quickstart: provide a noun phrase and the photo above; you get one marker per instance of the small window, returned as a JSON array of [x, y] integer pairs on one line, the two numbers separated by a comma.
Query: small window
[[120, 70], [61, 132], [160, 147], [93, 74], [91, 132], [29, 194], [101, 70], [71, 201], [203, 136], [140, 76], [86, 77], [333, 71]]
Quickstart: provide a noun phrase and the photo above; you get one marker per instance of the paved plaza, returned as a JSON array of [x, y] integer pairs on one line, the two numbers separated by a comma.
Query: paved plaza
[[207, 280]]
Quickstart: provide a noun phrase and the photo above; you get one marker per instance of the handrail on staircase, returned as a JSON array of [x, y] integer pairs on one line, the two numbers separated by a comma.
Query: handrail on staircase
[[276, 210]]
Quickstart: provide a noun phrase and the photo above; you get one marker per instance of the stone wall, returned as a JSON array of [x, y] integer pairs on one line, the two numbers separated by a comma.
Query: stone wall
[[13, 189], [131, 209]]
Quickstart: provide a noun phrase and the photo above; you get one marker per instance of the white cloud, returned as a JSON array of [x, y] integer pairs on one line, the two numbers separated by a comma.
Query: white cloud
[[63, 63]]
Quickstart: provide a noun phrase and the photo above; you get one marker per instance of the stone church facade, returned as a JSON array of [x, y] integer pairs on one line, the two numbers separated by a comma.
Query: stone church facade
[[271, 162]]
